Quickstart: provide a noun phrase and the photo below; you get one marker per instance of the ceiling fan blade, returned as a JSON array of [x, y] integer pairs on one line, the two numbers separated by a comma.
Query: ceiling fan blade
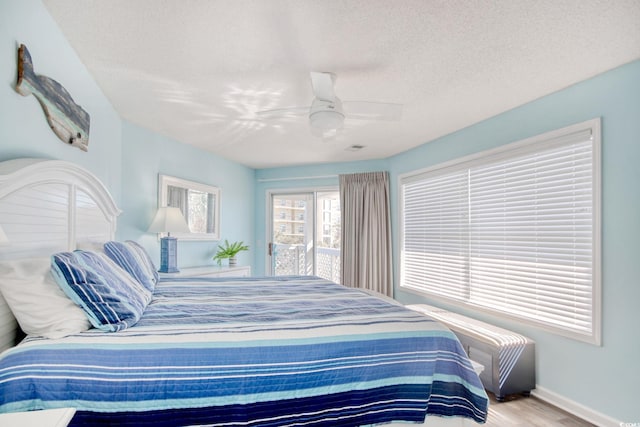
[[322, 84], [283, 112], [365, 110]]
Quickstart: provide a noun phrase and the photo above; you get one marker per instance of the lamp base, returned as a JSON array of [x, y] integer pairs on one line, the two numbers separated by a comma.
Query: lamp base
[[168, 255]]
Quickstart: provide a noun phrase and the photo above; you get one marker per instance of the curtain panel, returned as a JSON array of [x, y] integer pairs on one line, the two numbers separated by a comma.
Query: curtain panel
[[365, 256]]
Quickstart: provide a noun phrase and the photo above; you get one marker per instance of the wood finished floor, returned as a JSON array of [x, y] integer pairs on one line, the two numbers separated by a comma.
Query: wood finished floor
[[529, 412]]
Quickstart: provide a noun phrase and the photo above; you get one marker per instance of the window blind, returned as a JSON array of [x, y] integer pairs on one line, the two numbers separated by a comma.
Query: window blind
[[435, 253], [511, 232]]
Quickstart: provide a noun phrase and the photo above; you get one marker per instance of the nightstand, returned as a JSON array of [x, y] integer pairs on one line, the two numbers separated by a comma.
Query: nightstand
[[210, 271], [46, 418]]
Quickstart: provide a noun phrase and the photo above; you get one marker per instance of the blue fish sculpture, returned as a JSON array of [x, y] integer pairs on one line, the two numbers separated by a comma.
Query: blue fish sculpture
[[66, 118]]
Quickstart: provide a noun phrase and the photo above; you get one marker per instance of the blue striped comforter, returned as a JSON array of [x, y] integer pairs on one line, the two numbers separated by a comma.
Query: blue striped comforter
[[251, 352]]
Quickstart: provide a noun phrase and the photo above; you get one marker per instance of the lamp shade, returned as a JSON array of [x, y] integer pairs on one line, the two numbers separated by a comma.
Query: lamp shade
[[3, 237], [169, 220]]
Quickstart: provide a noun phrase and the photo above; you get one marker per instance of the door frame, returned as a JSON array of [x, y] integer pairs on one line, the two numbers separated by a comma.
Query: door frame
[[269, 215]]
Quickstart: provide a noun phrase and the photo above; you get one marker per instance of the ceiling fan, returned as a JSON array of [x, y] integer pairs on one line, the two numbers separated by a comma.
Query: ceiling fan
[[327, 112]]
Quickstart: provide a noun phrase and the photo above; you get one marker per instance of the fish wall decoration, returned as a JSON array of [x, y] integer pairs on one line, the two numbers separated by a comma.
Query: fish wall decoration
[[66, 118]]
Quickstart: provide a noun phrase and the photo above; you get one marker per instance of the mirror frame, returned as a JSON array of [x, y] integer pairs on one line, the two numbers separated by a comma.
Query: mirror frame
[[164, 181]]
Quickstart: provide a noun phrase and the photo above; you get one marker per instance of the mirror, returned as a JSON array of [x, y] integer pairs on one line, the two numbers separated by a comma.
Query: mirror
[[199, 203]]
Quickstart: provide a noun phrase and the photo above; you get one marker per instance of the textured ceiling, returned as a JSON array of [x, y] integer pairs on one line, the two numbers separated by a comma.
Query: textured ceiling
[[198, 70]]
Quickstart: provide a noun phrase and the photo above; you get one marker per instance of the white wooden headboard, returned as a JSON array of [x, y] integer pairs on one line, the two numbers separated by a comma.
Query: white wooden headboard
[[48, 206]]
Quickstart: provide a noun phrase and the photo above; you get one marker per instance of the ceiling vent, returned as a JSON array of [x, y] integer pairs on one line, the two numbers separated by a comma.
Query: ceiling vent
[[355, 147]]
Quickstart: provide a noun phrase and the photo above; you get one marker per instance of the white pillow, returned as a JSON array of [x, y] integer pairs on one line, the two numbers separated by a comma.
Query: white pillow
[[37, 302]]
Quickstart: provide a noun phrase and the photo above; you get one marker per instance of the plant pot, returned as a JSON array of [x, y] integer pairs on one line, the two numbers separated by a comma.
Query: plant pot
[[233, 261]]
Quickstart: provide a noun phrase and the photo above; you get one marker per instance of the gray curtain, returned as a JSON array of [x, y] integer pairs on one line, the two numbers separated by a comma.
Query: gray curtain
[[366, 232]]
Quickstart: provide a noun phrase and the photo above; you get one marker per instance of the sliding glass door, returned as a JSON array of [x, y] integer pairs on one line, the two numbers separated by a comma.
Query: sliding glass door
[[305, 234]]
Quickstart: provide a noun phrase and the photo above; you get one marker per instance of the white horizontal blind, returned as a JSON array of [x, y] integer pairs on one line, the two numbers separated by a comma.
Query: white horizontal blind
[[512, 232], [435, 253], [530, 235]]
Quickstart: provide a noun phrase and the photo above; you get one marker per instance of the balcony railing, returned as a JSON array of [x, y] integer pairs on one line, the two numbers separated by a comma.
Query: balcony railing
[[291, 260]]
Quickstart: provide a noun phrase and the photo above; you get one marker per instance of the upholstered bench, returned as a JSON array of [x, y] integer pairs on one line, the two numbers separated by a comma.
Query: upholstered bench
[[508, 358]]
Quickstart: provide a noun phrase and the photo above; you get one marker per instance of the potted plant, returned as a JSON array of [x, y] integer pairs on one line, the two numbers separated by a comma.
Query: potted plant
[[229, 251]]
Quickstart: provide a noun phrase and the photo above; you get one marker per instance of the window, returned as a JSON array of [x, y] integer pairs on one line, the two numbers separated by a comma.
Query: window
[[515, 230], [311, 244]]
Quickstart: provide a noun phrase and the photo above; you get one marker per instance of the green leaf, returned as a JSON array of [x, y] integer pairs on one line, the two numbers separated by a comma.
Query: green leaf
[[229, 250]]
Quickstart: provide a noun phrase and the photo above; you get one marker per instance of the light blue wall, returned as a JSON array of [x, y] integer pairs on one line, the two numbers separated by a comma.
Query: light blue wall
[[281, 179], [145, 155], [24, 131], [601, 378]]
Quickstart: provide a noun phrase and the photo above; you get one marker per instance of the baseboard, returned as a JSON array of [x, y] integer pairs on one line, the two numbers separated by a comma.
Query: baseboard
[[575, 408]]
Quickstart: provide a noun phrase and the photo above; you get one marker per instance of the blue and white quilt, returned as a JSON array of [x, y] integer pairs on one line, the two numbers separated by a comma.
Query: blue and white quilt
[[279, 351]]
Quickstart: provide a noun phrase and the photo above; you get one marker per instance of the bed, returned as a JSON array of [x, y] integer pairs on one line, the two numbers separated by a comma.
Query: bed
[[219, 351]]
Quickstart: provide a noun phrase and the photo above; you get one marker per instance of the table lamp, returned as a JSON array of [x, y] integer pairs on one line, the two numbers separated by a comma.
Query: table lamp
[[169, 220]]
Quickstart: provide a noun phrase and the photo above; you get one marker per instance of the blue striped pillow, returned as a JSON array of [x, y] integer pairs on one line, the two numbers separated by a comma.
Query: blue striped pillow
[[133, 259], [111, 298]]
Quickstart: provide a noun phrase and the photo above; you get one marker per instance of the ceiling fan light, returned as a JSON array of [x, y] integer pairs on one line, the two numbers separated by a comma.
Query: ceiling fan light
[[326, 119]]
